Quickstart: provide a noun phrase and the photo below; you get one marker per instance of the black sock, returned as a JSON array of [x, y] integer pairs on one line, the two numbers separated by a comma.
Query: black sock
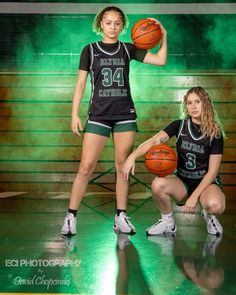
[[118, 211], [74, 212]]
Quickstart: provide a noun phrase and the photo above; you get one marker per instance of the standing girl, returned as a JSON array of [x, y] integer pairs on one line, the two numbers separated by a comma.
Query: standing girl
[[111, 109], [200, 148]]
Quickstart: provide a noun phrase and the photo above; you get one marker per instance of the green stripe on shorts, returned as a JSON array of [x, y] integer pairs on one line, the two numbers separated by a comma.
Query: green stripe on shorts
[[125, 126], [97, 128]]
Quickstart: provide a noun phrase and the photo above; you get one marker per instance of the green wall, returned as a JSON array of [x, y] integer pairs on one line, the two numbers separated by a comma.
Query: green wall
[[54, 42]]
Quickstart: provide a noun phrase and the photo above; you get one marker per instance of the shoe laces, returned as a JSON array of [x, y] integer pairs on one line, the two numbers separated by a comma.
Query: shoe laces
[[70, 218], [127, 218], [124, 215]]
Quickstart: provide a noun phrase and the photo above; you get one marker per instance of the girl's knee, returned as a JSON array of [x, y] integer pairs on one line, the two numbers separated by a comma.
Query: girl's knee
[[158, 186], [119, 166], [85, 170], [216, 207], [219, 209]]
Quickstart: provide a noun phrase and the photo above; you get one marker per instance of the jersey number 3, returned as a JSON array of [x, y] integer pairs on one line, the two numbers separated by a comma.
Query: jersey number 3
[[191, 164], [109, 78]]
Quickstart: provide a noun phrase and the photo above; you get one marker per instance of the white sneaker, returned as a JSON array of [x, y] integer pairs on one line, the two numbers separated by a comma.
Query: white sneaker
[[123, 225], [69, 226], [212, 242], [213, 225], [162, 227]]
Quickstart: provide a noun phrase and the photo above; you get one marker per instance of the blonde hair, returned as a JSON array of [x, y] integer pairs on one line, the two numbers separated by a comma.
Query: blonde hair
[[210, 123], [98, 18]]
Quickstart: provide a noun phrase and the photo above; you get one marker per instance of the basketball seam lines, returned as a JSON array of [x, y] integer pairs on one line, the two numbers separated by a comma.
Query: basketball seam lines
[[146, 34], [140, 26]]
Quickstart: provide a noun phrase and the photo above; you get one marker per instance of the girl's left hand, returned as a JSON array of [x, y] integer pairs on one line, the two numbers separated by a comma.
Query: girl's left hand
[[190, 205], [163, 30]]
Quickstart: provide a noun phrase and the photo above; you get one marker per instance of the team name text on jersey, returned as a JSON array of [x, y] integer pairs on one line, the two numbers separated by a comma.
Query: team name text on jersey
[[112, 62], [192, 147]]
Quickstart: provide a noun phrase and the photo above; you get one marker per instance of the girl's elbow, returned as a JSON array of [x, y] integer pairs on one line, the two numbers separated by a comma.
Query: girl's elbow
[[161, 62]]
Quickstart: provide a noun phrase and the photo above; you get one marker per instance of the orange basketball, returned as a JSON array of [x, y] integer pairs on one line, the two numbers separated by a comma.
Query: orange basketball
[[146, 33], [161, 160]]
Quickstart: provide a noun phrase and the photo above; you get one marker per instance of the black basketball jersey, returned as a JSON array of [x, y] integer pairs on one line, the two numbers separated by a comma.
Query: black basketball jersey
[[111, 97], [194, 150]]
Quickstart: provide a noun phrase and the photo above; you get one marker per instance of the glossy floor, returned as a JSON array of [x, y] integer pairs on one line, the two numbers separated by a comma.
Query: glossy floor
[[36, 259]]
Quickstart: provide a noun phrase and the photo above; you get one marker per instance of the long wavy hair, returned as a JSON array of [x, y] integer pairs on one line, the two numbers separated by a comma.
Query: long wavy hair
[[98, 18], [210, 123]]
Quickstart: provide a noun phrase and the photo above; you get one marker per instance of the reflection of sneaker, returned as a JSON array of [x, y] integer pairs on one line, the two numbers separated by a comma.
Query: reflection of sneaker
[[69, 226], [211, 244], [213, 225], [166, 242], [70, 242], [122, 241], [162, 227], [123, 225]]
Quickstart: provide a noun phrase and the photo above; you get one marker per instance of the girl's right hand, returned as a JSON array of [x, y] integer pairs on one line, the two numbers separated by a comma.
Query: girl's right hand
[[128, 167], [76, 125]]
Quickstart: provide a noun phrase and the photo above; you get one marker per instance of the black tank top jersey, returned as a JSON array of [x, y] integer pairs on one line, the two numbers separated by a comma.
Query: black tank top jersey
[[111, 97], [193, 149]]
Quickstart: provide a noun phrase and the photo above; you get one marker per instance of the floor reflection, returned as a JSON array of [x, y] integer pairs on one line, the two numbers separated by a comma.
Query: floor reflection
[[205, 264], [201, 265], [36, 259], [130, 277]]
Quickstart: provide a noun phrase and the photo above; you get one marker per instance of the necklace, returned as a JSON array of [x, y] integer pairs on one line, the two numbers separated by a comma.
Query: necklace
[[197, 126]]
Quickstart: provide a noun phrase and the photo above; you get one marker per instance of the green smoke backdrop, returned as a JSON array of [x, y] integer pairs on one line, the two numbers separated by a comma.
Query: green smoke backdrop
[[54, 42]]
